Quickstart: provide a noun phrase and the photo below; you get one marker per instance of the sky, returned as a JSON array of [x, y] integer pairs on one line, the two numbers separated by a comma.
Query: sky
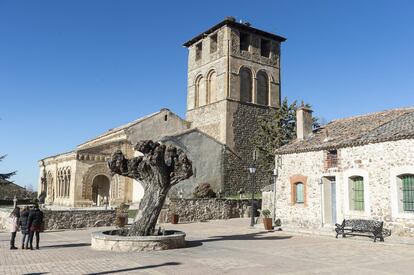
[[72, 69]]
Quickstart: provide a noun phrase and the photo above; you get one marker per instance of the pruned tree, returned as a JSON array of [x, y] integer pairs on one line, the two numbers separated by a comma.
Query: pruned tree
[[6, 176], [160, 168]]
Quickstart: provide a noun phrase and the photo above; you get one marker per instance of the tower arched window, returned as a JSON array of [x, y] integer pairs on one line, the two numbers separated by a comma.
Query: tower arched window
[[262, 88], [211, 87], [200, 92], [245, 85]]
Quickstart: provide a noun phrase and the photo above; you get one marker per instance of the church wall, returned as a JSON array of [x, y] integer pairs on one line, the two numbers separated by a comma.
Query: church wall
[[211, 119], [164, 123], [206, 155], [243, 119]]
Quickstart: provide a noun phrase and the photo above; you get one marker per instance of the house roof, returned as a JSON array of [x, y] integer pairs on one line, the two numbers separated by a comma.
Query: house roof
[[232, 23], [377, 127]]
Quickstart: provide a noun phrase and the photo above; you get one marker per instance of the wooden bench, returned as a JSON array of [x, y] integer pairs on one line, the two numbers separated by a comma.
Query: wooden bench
[[357, 227]]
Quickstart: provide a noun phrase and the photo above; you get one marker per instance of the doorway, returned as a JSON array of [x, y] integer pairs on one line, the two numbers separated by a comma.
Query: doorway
[[100, 190], [329, 198]]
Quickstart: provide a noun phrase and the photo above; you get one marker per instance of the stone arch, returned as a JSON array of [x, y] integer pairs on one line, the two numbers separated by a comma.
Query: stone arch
[[101, 185], [199, 91], [246, 84], [262, 88], [211, 90], [87, 181]]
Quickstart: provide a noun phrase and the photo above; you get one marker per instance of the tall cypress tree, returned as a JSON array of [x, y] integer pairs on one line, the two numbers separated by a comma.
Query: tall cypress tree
[[277, 131]]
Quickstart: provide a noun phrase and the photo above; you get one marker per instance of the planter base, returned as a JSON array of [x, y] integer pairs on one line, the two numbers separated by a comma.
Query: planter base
[[112, 240]]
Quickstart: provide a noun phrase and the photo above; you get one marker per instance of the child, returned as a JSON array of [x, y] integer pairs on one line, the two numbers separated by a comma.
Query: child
[[14, 225]]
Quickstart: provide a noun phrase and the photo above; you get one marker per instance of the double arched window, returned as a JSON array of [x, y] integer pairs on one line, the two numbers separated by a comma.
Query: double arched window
[[246, 87], [205, 89]]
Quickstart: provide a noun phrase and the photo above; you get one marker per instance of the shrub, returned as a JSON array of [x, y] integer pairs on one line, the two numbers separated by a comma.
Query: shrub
[[266, 213], [204, 190]]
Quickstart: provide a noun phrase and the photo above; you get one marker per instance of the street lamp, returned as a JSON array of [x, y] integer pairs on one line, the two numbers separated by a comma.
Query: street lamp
[[252, 171]]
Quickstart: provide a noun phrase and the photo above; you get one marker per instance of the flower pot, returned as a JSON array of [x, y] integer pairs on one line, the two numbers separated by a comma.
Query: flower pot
[[267, 222], [174, 218], [121, 221]]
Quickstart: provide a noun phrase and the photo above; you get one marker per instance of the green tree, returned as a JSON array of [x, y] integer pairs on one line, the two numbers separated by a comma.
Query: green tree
[[277, 131], [7, 175]]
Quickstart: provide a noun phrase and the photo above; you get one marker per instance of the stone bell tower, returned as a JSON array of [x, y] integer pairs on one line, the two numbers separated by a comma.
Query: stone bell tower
[[233, 81], [232, 66]]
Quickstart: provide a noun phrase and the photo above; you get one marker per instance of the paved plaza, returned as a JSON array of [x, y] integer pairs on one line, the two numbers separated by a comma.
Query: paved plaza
[[214, 247]]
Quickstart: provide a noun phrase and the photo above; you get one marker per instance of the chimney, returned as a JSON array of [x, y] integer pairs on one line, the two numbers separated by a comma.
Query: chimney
[[303, 122]]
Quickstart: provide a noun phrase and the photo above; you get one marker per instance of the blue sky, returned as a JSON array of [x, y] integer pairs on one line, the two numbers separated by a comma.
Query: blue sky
[[70, 70]]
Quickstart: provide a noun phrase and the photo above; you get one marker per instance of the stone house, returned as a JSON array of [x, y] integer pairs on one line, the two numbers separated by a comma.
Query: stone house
[[233, 80], [357, 167]]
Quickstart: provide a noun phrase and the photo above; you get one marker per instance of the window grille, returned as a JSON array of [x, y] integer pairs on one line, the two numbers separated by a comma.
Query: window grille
[[358, 193], [408, 192]]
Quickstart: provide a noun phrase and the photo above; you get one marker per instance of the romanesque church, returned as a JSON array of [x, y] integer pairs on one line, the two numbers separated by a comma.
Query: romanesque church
[[233, 80]]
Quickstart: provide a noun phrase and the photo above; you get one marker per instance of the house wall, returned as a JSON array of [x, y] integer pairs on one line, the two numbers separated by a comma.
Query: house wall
[[379, 164]]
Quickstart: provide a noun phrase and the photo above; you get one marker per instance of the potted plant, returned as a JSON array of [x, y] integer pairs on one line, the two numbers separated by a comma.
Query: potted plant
[[267, 222], [175, 218], [121, 215]]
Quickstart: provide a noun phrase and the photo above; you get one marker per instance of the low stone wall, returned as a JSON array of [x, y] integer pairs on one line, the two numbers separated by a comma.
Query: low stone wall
[[193, 210], [73, 219]]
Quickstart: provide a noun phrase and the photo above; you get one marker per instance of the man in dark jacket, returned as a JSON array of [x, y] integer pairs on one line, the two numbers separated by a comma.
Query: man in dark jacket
[[24, 216], [35, 224]]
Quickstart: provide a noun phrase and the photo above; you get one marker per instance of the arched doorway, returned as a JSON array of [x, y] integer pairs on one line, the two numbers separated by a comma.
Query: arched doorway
[[100, 189]]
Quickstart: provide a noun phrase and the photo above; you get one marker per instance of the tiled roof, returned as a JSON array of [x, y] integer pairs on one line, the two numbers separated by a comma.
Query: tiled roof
[[355, 131]]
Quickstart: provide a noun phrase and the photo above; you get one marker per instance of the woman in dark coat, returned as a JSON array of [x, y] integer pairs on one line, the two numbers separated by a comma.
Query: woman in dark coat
[[34, 224], [24, 216]]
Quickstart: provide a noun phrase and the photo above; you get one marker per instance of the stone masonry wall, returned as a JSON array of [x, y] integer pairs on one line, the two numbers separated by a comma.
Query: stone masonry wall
[[74, 219], [379, 164], [245, 124], [192, 210]]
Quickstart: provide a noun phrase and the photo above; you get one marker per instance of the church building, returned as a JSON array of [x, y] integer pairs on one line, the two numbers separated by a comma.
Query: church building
[[233, 81]]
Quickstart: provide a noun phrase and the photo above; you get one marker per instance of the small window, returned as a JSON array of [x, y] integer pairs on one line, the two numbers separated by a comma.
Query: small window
[[213, 43], [199, 49], [357, 193], [265, 48], [331, 160], [165, 117], [299, 193], [244, 41], [408, 192]]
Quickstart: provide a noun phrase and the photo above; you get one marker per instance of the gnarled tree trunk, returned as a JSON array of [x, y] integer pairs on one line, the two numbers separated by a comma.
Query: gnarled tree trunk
[[160, 168]]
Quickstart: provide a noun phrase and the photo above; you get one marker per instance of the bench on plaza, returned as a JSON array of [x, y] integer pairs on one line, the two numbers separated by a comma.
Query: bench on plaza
[[358, 227]]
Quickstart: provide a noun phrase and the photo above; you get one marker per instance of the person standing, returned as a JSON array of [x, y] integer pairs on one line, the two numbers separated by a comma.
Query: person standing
[[34, 224], [24, 216], [14, 225]]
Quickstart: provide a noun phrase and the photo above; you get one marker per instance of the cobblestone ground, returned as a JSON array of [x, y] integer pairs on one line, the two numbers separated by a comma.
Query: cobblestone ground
[[215, 247]]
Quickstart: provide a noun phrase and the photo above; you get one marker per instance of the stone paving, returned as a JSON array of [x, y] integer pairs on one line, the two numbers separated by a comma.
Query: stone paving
[[214, 247]]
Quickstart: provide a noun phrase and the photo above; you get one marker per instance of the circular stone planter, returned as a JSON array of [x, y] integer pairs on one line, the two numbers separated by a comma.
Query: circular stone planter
[[112, 240]]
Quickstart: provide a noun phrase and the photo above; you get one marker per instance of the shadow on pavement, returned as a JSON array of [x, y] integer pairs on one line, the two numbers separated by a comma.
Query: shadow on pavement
[[241, 237], [36, 273], [65, 245], [134, 268]]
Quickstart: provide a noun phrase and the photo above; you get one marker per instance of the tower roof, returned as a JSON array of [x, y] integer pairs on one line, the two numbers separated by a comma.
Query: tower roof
[[231, 22]]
